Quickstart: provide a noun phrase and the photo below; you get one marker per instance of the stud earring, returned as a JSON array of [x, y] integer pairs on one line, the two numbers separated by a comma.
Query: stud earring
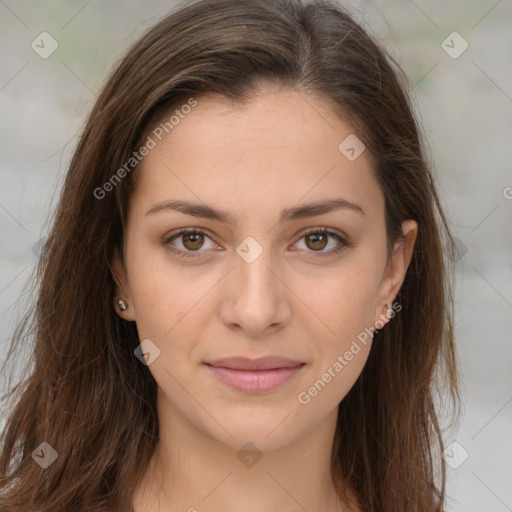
[[389, 310], [122, 305]]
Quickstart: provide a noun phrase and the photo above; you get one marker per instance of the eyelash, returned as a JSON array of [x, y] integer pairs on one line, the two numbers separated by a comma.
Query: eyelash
[[343, 243]]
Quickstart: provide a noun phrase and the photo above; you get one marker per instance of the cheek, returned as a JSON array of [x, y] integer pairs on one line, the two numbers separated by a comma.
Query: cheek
[[162, 293], [344, 297], [166, 306], [345, 307], [345, 302]]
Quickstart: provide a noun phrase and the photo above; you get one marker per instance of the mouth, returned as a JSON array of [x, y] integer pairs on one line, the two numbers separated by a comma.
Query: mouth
[[255, 375]]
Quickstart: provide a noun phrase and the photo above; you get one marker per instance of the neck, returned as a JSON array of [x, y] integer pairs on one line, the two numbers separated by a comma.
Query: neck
[[191, 471]]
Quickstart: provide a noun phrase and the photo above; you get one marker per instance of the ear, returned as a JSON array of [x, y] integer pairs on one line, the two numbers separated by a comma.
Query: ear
[[395, 272], [122, 288]]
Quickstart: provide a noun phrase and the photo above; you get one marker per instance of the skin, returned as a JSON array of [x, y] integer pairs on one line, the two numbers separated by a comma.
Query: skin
[[254, 161]]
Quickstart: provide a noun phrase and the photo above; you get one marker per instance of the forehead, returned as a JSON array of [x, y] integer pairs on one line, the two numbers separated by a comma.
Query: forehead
[[280, 149]]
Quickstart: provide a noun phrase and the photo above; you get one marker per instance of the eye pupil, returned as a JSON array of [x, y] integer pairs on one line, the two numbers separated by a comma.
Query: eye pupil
[[196, 241], [315, 238]]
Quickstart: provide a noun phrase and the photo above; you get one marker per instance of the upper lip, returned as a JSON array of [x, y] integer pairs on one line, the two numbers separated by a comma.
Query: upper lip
[[261, 363]]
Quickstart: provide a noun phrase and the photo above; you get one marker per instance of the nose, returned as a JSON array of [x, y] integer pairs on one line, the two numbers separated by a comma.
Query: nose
[[256, 300]]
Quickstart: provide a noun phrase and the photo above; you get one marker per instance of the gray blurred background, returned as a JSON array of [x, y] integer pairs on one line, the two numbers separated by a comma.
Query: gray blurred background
[[463, 97]]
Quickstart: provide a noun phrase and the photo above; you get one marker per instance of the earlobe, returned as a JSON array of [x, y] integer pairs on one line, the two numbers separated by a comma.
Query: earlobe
[[123, 303]]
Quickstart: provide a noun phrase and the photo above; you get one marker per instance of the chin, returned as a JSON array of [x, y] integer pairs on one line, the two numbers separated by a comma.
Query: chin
[[265, 429], [247, 437]]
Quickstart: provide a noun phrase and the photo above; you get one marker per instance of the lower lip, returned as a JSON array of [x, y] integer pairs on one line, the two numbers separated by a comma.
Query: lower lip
[[256, 381]]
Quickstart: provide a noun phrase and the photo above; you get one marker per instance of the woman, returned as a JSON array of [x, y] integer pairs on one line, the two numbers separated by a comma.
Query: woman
[[243, 302]]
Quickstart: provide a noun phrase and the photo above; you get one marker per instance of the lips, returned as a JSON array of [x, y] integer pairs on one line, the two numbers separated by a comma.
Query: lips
[[255, 375], [262, 363]]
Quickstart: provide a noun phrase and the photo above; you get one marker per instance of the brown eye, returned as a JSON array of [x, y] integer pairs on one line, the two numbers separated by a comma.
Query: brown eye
[[316, 241], [193, 241], [188, 242]]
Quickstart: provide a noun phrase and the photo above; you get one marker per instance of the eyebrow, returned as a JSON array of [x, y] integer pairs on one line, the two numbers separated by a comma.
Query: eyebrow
[[289, 214]]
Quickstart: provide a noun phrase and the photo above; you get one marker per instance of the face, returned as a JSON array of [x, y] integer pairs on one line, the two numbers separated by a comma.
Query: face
[[260, 321]]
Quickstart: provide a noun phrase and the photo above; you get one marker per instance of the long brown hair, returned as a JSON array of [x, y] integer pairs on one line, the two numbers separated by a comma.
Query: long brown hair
[[88, 396]]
